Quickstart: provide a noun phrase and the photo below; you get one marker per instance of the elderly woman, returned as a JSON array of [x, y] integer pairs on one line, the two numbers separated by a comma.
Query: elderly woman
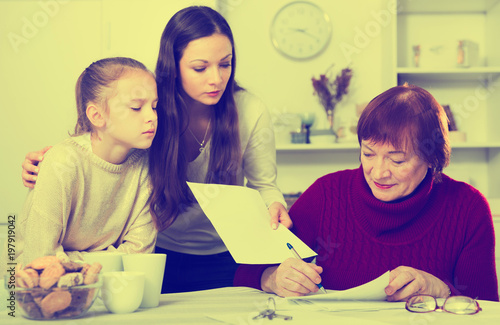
[[396, 212]]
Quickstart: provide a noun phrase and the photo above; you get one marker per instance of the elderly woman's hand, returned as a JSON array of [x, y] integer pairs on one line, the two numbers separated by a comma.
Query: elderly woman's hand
[[406, 281], [279, 214], [293, 277]]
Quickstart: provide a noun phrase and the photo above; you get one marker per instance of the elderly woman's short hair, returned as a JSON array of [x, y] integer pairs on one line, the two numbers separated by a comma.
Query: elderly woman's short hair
[[409, 118]]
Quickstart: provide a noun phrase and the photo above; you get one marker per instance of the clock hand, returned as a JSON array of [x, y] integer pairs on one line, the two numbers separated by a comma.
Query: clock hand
[[304, 31]]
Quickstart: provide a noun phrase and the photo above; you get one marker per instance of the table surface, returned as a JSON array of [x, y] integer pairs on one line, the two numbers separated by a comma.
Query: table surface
[[238, 305]]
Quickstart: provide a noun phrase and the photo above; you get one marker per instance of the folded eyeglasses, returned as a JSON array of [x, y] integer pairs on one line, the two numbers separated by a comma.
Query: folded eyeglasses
[[460, 305]]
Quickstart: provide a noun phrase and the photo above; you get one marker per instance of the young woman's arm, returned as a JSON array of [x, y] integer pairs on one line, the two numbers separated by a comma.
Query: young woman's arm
[[259, 156], [30, 166]]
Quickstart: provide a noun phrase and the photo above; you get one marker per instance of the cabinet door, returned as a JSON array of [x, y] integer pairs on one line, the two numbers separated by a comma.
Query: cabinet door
[[44, 47], [133, 28]]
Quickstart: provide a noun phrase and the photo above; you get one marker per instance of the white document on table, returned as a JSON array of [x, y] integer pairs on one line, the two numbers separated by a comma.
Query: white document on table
[[242, 220], [371, 291], [299, 317]]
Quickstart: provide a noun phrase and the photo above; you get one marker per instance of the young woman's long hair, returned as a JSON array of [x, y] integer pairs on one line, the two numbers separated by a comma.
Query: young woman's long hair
[[168, 162]]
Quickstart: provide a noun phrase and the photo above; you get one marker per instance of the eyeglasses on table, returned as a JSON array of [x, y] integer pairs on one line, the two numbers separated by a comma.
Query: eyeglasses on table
[[460, 305]]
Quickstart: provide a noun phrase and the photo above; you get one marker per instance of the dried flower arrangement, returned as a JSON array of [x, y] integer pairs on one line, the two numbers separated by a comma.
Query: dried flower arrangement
[[330, 93]]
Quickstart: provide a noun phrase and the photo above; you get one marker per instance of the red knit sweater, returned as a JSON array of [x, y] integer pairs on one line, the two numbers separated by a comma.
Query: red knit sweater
[[445, 229]]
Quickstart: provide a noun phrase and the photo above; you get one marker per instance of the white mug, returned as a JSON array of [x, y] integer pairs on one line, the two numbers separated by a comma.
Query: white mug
[[110, 261], [122, 292], [153, 266]]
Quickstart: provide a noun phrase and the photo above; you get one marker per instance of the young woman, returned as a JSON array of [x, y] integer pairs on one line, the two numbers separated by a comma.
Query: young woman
[[93, 189], [210, 130]]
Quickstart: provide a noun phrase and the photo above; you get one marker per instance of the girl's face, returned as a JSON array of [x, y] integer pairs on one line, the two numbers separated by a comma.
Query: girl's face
[[131, 119], [205, 68], [391, 174]]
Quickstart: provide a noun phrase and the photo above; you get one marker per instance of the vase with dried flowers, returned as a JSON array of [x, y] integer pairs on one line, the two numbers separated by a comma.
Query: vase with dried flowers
[[330, 93]]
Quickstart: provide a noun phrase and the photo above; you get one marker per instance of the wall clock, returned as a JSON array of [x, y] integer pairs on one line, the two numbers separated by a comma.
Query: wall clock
[[300, 30]]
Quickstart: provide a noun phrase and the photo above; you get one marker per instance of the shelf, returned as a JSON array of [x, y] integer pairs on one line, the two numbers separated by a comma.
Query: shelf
[[436, 25], [317, 146], [475, 145], [355, 146], [473, 73], [444, 6]]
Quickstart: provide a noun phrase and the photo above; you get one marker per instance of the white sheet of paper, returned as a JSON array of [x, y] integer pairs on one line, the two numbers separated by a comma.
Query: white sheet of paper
[[339, 305], [242, 220], [373, 291], [298, 318]]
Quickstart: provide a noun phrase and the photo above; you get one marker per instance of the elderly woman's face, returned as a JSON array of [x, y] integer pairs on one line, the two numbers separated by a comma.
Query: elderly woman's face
[[391, 174]]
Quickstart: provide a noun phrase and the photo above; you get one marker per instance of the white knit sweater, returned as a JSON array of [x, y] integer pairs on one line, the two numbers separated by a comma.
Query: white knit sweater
[[83, 203]]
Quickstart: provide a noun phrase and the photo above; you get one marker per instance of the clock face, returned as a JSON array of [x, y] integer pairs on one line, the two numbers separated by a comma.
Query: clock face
[[300, 30]]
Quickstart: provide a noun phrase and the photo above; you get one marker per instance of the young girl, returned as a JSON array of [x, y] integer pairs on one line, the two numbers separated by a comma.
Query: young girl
[[210, 131], [93, 191]]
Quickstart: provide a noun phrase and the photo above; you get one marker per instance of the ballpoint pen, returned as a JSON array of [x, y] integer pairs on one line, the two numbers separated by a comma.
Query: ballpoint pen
[[296, 255]]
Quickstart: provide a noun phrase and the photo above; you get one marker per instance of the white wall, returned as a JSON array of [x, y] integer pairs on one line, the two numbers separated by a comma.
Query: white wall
[[361, 39], [285, 84], [43, 49], [44, 46]]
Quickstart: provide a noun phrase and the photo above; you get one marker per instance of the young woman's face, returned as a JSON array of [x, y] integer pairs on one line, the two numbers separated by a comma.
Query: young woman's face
[[391, 174], [205, 68], [131, 118]]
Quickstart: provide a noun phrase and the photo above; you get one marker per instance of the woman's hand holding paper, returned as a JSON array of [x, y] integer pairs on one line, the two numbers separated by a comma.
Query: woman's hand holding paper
[[293, 277], [279, 215], [406, 281]]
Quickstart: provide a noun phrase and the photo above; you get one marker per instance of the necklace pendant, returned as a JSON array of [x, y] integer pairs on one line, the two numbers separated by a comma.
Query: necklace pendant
[[202, 143]]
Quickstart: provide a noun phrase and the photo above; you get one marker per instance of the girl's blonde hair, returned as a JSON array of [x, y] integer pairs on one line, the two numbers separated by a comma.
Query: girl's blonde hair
[[92, 84]]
